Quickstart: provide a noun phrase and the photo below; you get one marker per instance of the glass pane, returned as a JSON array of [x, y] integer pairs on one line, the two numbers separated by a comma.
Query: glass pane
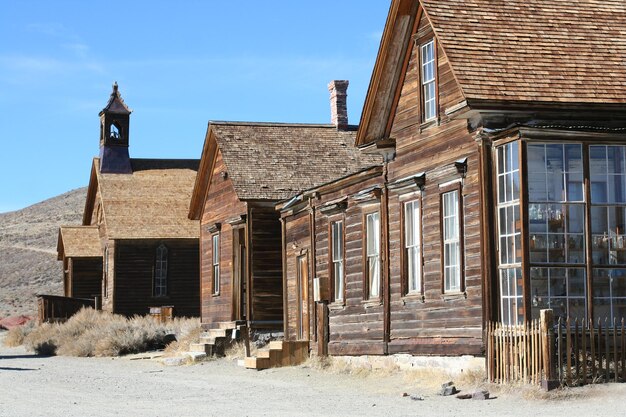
[[374, 275]]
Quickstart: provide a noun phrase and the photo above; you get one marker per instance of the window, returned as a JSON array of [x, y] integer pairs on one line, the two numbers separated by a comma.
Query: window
[[412, 247], [337, 260], [372, 235], [216, 264], [556, 221], [429, 91], [510, 234], [160, 272], [105, 272], [451, 241], [607, 166]]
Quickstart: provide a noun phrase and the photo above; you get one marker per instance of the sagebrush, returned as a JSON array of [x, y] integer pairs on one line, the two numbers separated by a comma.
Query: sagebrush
[[98, 333]]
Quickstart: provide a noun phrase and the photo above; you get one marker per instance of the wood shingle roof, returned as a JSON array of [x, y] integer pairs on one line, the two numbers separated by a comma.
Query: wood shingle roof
[[79, 242], [150, 203], [275, 161], [534, 50]]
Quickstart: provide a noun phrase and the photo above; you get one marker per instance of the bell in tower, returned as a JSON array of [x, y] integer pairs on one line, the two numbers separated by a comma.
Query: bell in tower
[[114, 122]]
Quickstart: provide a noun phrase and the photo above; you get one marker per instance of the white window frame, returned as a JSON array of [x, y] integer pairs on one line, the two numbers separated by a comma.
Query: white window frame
[[412, 245], [428, 80], [372, 250], [337, 261], [215, 262], [451, 233]]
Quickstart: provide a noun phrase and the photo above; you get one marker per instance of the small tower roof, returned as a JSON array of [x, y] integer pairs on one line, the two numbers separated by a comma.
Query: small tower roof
[[116, 103]]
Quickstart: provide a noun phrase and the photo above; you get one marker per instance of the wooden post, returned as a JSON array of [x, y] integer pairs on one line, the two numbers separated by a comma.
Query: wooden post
[[246, 339], [584, 348], [615, 363], [322, 328], [547, 349]]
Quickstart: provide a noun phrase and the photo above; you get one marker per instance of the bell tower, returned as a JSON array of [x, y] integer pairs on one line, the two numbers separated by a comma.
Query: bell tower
[[114, 123]]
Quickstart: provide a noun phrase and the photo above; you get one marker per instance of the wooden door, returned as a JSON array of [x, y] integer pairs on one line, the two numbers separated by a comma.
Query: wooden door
[[239, 273], [302, 263]]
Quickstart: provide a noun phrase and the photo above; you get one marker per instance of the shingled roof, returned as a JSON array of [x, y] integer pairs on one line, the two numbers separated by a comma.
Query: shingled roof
[[150, 203], [78, 242], [535, 50], [275, 161], [565, 53]]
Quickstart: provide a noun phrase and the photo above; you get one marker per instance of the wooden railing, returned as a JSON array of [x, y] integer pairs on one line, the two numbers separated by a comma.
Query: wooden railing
[[54, 308], [565, 352]]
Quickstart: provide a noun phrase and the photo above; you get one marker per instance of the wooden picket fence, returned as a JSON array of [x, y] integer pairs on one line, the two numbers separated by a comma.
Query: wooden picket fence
[[567, 352], [514, 353]]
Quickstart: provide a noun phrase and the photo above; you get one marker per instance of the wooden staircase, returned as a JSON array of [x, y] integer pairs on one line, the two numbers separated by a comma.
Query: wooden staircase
[[214, 341], [279, 353]]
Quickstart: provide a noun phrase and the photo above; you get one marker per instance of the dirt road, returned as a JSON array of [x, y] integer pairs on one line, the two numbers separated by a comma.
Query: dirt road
[[64, 386]]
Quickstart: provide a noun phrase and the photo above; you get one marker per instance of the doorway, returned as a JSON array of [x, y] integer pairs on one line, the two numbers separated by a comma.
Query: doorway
[[302, 265], [239, 274]]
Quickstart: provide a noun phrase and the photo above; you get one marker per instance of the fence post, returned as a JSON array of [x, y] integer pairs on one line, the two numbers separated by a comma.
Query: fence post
[[547, 347]]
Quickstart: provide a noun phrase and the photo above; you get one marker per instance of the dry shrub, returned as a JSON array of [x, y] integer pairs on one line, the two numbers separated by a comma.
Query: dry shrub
[[98, 333], [188, 336], [237, 350], [15, 336]]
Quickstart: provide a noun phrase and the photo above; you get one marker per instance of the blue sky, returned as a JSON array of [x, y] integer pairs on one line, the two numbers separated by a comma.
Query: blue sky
[[178, 66]]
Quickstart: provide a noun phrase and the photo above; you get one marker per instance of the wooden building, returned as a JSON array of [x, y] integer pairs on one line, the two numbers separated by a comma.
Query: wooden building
[[138, 209], [246, 168], [503, 189], [79, 249]]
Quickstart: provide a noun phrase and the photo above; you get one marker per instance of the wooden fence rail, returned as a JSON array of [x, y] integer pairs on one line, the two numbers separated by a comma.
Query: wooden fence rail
[[56, 308], [568, 352]]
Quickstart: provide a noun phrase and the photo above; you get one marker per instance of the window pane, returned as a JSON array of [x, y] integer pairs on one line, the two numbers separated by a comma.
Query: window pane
[[374, 275]]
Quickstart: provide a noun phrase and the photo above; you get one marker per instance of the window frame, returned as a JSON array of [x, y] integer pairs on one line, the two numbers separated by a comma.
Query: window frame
[[423, 43], [331, 261], [161, 269], [105, 274], [215, 256], [367, 296], [404, 257], [456, 187]]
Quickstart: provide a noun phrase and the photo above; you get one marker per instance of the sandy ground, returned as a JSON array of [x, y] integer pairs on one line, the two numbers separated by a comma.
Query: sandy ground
[[65, 386]]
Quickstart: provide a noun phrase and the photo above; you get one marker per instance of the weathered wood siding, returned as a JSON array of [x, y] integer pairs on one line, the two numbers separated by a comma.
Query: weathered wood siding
[[356, 325], [134, 273], [220, 206], [85, 276], [266, 283], [298, 243], [439, 324]]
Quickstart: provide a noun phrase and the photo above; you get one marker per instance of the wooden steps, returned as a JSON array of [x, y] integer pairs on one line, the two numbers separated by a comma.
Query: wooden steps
[[279, 353], [214, 340]]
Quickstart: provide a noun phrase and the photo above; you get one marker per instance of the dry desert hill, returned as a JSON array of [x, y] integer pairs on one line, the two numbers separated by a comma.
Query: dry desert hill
[[28, 257]]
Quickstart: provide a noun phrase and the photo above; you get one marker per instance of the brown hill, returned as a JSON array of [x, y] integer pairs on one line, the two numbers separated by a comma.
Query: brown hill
[[28, 241]]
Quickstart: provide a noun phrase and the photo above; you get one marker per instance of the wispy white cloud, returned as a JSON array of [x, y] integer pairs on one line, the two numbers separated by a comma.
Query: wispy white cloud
[[375, 36], [48, 29], [77, 48], [22, 65]]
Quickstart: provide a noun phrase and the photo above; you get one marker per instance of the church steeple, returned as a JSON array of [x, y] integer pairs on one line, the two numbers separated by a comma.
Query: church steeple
[[114, 124]]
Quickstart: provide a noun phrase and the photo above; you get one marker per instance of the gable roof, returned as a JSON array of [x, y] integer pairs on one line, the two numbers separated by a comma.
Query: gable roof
[[518, 51], [78, 242], [150, 203], [274, 161]]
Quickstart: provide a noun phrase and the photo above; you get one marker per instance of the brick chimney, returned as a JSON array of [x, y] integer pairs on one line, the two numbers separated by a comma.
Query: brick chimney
[[339, 103]]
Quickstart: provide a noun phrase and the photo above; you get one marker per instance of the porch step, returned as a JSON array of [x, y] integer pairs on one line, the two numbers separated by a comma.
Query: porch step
[[279, 353], [213, 341]]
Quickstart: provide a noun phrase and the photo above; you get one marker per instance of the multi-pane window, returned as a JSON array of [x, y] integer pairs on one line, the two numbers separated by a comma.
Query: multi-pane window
[[105, 273], [160, 271], [337, 260], [556, 217], [372, 234], [216, 263], [451, 241], [509, 233], [429, 93], [607, 169], [412, 246]]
